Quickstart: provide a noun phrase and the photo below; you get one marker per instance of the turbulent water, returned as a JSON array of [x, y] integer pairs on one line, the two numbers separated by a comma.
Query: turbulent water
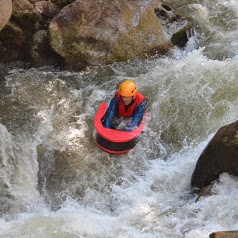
[[55, 182]]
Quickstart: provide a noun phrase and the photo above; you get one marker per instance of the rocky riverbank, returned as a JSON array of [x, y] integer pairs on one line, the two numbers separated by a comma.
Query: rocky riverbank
[[76, 34]]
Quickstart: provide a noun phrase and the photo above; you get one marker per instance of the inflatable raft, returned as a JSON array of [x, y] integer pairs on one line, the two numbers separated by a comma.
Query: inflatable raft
[[114, 141]]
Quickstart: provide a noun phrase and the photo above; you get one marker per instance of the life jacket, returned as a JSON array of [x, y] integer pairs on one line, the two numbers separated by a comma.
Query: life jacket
[[128, 111]]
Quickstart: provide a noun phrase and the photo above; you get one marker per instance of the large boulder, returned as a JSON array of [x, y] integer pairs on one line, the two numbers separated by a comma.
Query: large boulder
[[5, 12], [220, 155], [98, 32]]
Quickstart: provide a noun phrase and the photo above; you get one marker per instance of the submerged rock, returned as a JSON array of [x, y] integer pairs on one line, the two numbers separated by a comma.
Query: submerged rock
[[220, 155]]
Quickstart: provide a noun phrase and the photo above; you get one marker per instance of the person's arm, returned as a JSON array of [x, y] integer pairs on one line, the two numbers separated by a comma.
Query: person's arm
[[137, 116], [111, 113]]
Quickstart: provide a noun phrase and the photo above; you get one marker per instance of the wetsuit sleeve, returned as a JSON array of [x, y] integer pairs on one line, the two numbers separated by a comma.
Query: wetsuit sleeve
[[137, 116], [111, 113]]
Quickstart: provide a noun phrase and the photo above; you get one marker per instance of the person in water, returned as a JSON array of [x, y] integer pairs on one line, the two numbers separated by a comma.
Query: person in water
[[126, 108]]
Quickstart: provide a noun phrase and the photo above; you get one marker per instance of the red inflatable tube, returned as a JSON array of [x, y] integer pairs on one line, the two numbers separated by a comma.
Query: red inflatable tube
[[114, 141]]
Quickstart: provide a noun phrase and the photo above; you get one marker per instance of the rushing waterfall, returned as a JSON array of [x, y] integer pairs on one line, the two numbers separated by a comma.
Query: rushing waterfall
[[56, 183]]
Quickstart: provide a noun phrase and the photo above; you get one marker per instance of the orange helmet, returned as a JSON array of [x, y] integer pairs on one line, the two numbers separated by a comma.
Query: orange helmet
[[127, 89]]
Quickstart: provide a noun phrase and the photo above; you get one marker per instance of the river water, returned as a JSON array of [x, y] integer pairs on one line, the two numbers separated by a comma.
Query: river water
[[56, 183]]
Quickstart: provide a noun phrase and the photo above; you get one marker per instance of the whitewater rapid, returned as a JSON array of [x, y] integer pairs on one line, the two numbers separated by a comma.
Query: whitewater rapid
[[55, 182]]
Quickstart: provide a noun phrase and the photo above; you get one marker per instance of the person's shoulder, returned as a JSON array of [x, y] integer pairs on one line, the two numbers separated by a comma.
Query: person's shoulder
[[114, 99], [140, 97]]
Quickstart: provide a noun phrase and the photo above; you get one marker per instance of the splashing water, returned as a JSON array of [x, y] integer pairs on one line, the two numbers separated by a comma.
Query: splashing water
[[56, 183]]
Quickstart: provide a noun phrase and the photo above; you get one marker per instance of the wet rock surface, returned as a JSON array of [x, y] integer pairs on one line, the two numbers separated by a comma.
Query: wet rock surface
[[218, 157]]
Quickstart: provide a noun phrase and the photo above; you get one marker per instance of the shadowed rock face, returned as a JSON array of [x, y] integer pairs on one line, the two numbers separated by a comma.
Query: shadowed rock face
[[5, 12], [62, 3], [220, 155], [22, 39]]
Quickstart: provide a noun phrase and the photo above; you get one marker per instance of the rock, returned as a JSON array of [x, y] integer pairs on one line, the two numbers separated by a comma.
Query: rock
[[102, 32], [5, 12], [39, 6], [17, 36], [220, 155], [40, 51], [90, 32], [62, 3], [35, 1], [26, 15], [224, 234], [50, 9], [12, 45]]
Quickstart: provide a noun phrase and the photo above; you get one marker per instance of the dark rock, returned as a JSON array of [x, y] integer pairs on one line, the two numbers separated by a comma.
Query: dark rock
[[12, 45], [181, 37], [40, 52], [26, 15], [220, 155], [50, 9], [62, 3]]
